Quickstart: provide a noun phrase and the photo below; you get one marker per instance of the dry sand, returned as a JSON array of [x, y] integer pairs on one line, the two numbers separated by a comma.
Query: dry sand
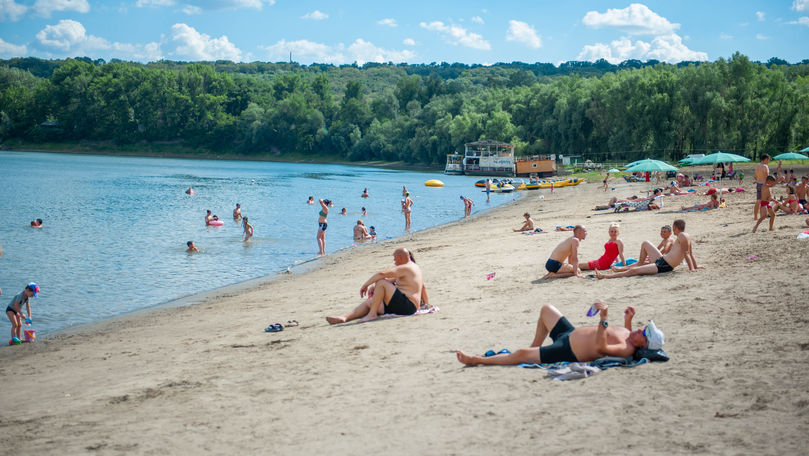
[[206, 379]]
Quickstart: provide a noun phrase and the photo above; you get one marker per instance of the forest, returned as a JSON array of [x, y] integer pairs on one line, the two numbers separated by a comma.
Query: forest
[[412, 113]]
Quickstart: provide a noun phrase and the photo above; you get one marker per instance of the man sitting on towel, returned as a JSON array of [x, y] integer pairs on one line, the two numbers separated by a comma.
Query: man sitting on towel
[[576, 344], [399, 291]]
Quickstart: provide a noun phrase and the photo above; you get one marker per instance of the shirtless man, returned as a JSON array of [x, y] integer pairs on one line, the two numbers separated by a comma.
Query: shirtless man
[[663, 247], [191, 247], [248, 229], [761, 173], [681, 249], [208, 217], [237, 213], [399, 290], [528, 225], [801, 190], [567, 250], [360, 232], [576, 344]]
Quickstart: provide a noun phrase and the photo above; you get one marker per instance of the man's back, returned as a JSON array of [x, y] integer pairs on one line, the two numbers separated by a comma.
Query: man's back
[[562, 251], [681, 246], [410, 281], [762, 171]]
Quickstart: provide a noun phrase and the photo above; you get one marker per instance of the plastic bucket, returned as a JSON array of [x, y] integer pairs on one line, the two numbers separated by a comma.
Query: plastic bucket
[[30, 335]]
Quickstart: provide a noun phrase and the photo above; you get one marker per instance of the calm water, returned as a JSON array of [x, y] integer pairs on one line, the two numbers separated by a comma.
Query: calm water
[[115, 227]]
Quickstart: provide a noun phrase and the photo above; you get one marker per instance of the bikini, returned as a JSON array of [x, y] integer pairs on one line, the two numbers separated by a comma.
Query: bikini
[[322, 225]]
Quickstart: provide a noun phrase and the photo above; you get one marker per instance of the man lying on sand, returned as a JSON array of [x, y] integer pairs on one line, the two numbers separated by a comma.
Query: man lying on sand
[[681, 249], [567, 250], [576, 344], [399, 291]]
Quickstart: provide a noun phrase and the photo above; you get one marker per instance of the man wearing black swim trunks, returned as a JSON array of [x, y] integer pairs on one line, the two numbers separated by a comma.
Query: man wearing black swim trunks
[[576, 344], [398, 291]]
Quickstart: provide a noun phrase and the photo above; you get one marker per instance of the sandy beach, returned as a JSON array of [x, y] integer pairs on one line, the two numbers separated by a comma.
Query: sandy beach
[[206, 379]]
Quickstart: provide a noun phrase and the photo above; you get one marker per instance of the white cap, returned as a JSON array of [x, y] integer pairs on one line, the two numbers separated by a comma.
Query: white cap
[[654, 336]]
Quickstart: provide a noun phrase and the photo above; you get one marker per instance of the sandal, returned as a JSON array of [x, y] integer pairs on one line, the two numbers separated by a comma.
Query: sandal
[[292, 323], [277, 327]]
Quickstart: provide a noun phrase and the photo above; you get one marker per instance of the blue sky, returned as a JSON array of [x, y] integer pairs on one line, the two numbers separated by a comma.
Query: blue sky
[[412, 31]]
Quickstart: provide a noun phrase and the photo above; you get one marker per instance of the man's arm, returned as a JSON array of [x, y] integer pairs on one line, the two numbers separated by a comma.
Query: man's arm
[[629, 313], [573, 258], [601, 336], [393, 273], [424, 298]]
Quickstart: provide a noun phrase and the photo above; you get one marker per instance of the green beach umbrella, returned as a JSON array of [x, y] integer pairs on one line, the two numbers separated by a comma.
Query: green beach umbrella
[[791, 156], [651, 166], [720, 157], [805, 150], [629, 165], [613, 170], [687, 161]]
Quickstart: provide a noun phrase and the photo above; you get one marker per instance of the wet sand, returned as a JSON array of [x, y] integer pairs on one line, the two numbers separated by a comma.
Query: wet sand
[[208, 379]]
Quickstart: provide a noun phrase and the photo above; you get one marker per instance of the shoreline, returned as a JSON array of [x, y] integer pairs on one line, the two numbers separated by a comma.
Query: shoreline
[[244, 286], [211, 376]]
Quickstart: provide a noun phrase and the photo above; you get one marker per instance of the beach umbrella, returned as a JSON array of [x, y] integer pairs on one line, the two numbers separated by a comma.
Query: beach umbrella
[[629, 165], [791, 156], [614, 170], [720, 157], [805, 150], [651, 166], [687, 161]]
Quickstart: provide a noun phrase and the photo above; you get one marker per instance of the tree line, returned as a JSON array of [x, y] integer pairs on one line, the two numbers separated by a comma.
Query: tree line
[[413, 113]]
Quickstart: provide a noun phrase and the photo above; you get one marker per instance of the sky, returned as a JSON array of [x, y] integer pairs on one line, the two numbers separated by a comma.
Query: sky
[[411, 31]]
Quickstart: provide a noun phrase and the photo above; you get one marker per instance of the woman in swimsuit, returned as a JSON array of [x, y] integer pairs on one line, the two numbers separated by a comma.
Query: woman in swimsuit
[[613, 249], [604, 182], [322, 225], [407, 205]]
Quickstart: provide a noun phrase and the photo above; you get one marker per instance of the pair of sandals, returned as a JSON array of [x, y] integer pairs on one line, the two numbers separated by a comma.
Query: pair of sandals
[[278, 327]]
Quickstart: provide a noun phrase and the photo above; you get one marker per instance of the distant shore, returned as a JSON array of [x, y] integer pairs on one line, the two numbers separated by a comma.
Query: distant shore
[[176, 150]]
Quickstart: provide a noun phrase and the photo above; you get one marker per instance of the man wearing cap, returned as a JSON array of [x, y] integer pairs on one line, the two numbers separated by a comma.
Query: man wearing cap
[[576, 344], [14, 309]]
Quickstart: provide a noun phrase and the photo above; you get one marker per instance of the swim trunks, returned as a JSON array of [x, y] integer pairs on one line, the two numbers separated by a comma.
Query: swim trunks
[[560, 349], [9, 309], [801, 201], [758, 191], [399, 304], [322, 226], [663, 266], [552, 265]]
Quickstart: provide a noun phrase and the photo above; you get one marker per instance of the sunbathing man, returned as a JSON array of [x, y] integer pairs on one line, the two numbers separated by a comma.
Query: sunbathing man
[[662, 262], [399, 291], [576, 344], [528, 225], [566, 250], [713, 203]]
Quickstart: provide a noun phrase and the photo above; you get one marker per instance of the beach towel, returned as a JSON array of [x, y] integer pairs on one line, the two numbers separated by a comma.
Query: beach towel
[[421, 311], [571, 371]]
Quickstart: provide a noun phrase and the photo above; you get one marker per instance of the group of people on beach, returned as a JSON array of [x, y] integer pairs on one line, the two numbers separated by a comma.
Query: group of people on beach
[[766, 205]]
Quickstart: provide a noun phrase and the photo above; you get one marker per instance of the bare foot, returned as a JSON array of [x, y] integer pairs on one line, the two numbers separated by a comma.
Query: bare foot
[[547, 276], [466, 359], [598, 275], [335, 320]]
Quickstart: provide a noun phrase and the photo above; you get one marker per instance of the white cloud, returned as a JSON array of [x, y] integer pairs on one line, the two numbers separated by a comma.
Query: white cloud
[[390, 22], [315, 16], [523, 33], [456, 35], [800, 5], [760, 15], [803, 20], [635, 19], [8, 50], [70, 38], [186, 43], [143, 3], [666, 48], [197, 6], [477, 19], [359, 51], [725, 36], [46, 7], [759, 36], [11, 10], [409, 42]]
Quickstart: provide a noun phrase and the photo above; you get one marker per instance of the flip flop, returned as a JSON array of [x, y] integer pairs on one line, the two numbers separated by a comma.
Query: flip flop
[[277, 327], [292, 323]]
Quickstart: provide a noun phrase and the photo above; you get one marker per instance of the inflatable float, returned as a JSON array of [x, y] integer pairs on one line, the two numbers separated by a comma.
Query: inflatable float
[[433, 183], [216, 223]]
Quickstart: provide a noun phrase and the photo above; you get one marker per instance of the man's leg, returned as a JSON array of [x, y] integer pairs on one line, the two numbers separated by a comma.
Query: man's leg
[[566, 270], [646, 269], [523, 355], [376, 302], [548, 317]]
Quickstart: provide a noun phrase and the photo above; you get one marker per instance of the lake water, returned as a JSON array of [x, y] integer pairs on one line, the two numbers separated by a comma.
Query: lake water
[[115, 228]]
